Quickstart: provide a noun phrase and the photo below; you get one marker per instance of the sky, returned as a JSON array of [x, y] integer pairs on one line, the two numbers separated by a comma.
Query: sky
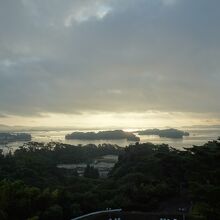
[[109, 63]]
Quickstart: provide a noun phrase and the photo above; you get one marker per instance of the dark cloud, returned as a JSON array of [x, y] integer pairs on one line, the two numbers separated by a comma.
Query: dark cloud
[[114, 55]]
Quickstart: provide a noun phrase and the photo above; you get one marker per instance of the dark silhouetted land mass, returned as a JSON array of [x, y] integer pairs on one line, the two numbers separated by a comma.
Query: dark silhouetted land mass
[[146, 178], [168, 133], [12, 137], [103, 135]]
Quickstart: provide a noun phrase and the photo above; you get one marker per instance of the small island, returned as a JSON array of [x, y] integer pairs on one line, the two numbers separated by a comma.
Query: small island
[[103, 135], [12, 137], [168, 133]]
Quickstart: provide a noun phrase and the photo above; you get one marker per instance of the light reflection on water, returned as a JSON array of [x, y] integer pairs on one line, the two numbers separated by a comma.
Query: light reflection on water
[[197, 137]]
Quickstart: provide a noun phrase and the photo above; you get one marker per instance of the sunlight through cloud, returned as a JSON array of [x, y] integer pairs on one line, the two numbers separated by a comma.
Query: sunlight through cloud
[[97, 11]]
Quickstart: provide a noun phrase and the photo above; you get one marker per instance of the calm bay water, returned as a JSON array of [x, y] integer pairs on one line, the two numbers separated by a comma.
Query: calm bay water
[[198, 136]]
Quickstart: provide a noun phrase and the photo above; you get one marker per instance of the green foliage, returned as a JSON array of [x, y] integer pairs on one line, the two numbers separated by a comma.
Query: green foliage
[[54, 212], [33, 218], [145, 177], [91, 172]]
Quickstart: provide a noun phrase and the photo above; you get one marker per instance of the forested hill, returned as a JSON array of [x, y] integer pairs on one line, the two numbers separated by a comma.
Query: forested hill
[[145, 178], [103, 135], [167, 133], [6, 137]]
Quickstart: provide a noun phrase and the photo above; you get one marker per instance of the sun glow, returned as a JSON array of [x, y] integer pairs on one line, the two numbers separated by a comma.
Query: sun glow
[[104, 120]]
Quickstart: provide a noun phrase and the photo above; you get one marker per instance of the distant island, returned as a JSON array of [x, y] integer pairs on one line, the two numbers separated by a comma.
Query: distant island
[[12, 137], [103, 135], [168, 133]]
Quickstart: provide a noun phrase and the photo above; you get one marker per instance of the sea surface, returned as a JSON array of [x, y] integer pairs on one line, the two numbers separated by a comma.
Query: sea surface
[[198, 136]]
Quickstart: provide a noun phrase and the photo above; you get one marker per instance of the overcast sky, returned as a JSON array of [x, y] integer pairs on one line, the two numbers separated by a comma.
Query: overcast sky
[[81, 62]]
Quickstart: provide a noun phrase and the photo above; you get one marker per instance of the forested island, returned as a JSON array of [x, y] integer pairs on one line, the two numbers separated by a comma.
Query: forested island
[[146, 178], [12, 137], [168, 133], [103, 135]]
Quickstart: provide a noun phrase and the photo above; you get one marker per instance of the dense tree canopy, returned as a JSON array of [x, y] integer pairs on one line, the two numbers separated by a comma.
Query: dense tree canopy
[[145, 177]]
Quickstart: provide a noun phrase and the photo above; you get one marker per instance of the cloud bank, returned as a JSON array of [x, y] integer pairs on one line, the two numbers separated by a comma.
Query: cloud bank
[[120, 56]]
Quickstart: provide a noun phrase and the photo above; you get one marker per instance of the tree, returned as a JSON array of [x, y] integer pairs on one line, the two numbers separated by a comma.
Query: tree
[[54, 212], [91, 172]]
